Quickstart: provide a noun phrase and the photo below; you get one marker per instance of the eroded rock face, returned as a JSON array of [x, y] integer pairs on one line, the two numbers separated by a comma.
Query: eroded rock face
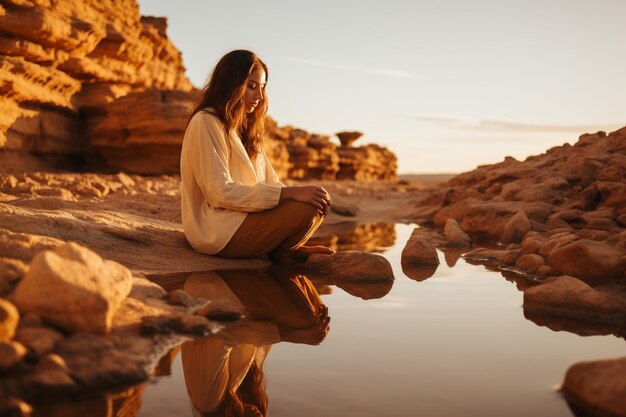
[[94, 83], [74, 288], [62, 61], [598, 386]]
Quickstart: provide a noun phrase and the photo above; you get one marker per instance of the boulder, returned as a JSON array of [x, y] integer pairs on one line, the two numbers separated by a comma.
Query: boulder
[[11, 353], [516, 228], [530, 263], [74, 288], [420, 251], [455, 236], [38, 340], [352, 266], [598, 387], [9, 318], [568, 296], [590, 260]]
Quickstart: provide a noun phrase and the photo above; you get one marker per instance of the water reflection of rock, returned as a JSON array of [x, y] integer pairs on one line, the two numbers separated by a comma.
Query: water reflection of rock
[[579, 326], [121, 403], [369, 237]]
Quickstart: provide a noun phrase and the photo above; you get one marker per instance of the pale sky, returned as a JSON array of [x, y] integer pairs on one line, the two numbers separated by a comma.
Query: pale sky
[[446, 85]]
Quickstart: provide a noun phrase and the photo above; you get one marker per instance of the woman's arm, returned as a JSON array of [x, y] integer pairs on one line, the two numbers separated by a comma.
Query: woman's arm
[[207, 152]]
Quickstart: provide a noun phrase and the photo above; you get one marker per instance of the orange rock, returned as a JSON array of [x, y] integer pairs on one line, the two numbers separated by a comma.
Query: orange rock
[[590, 260]]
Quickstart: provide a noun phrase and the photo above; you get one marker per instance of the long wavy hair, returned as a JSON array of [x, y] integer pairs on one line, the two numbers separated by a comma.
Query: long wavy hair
[[224, 93], [248, 400]]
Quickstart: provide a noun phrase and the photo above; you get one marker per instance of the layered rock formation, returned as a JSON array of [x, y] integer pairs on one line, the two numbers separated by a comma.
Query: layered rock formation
[[150, 142], [92, 85], [61, 62]]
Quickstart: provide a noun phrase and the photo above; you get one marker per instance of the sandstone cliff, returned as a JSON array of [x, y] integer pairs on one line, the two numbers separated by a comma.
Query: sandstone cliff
[[61, 61], [71, 73]]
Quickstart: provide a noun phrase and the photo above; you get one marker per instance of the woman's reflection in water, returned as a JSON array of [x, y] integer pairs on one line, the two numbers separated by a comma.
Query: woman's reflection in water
[[224, 373]]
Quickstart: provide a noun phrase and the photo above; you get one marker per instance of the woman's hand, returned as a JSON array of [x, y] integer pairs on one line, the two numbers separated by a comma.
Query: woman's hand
[[313, 335], [315, 195]]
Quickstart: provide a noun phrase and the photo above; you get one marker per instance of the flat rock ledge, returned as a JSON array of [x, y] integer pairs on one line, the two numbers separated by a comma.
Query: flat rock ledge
[[599, 387], [352, 266]]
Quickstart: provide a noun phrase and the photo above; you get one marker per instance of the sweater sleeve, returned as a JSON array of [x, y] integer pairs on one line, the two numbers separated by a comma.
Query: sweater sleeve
[[209, 152]]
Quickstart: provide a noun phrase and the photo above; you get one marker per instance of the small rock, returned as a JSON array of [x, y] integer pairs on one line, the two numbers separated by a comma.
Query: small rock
[[74, 288], [348, 138], [9, 318], [11, 353], [566, 295], [419, 251], [556, 241], [544, 271], [589, 260], [516, 228], [182, 298], [52, 375], [51, 361], [509, 257], [455, 236], [38, 340], [30, 320], [598, 386], [602, 223], [197, 325], [143, 288], [530, 263], [14, 407], [352, 266]]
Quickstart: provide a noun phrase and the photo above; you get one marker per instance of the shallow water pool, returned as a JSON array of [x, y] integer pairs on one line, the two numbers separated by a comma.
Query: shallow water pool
[[454, 344]]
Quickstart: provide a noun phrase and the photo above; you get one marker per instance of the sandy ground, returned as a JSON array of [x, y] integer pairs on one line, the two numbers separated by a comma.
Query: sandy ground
[[135, 220]]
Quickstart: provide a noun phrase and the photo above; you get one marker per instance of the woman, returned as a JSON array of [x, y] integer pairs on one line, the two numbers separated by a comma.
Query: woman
[[233, 203]]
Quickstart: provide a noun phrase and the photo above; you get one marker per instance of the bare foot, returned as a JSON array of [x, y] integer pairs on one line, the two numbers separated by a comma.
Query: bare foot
[[298, 255]]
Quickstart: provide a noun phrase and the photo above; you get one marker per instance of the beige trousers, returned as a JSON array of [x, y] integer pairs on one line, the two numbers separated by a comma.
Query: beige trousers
[[277, 231]]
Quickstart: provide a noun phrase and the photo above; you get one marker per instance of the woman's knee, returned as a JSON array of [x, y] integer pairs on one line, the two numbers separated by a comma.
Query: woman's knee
[[302, 210]]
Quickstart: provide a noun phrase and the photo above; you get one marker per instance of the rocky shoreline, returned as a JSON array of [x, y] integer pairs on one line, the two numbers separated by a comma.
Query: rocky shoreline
[[132, 221]]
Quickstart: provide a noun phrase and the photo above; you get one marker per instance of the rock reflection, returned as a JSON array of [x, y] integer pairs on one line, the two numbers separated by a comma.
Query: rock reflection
[[369, 237], [418, 272], [224, 373], [577, 326], [124, 403], [452, 255]]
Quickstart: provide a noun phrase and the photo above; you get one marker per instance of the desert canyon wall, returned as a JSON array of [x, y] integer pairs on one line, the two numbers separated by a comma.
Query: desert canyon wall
[[94, 86]]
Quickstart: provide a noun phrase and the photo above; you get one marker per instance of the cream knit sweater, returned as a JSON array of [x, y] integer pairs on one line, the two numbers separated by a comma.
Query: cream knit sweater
[[220, 184]]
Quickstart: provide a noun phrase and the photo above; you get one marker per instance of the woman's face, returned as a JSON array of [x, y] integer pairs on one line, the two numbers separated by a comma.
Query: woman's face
[[255, 89]]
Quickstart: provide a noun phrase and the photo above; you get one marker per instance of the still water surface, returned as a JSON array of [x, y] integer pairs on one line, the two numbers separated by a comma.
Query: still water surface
[[455, 344]]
